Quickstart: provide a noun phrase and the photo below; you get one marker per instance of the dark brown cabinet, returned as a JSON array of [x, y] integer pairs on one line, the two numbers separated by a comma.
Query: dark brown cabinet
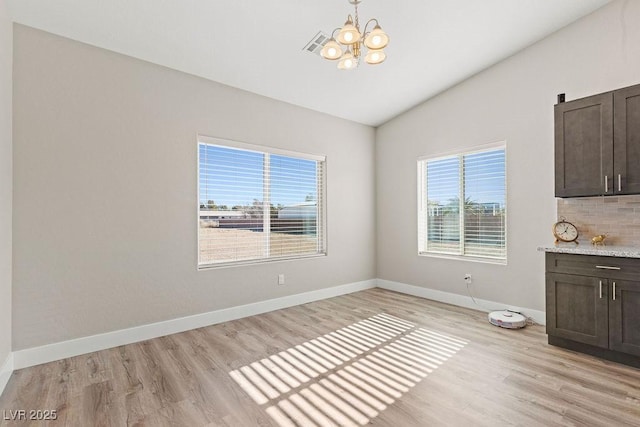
[[593, 305], [597, 144], [624, 318], [575, 309], [626, 140]]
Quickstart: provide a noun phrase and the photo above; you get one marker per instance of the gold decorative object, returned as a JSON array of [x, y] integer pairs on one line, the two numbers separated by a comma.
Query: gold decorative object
[[598, 240]]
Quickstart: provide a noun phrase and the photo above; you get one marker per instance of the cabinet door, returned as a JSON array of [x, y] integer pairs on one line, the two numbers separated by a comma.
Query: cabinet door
[[624, 317], [577, 308], [584, 146], [626, 146]]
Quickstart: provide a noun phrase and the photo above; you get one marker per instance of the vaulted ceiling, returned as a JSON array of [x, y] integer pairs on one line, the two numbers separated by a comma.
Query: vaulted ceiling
[[258, 46]]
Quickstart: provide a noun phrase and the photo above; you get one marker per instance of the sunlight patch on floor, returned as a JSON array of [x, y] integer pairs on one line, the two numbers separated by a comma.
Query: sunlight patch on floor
[[348, 376]]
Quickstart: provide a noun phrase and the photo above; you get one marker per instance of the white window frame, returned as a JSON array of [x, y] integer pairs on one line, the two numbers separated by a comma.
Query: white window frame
[[321, 221], [423, 205]]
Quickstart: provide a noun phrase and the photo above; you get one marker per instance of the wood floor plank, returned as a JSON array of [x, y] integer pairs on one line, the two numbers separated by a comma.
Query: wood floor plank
[[374, 357]]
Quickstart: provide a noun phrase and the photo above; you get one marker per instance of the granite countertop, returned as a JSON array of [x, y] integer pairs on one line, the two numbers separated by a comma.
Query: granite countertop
[[613, 251]]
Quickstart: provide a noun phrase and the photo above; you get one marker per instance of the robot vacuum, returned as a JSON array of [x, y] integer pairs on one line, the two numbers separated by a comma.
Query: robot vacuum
[[507, 319]]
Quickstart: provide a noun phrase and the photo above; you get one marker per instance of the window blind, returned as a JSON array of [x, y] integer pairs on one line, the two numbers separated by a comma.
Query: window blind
[[462, 204], [257, 205]]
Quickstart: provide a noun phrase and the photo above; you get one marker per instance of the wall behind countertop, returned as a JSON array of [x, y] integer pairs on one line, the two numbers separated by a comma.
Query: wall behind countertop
[[617, 217]]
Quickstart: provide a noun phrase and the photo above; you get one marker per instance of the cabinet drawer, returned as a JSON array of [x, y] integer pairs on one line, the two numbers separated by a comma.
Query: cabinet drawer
[[595, 266]]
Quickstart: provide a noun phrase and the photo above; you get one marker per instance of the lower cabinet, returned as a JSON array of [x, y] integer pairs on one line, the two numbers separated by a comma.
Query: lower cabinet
[[624, 318], [593, 305], [577, 308]]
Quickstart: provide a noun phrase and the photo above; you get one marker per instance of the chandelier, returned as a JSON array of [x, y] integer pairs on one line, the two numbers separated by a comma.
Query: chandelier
[[348, 45]]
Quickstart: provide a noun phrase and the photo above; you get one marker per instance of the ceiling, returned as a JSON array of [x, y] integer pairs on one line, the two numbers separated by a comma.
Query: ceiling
[[258, 45]]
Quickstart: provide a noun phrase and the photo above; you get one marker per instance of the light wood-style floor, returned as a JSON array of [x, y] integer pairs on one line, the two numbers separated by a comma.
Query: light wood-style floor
[[370, 358]]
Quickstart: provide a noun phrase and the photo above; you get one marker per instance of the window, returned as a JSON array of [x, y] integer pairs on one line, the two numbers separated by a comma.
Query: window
[[258, 204], [462, 204]]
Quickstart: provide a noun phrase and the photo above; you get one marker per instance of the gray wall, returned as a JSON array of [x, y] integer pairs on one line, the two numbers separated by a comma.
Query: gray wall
[[6, 49], [512, 101], [105, 192]]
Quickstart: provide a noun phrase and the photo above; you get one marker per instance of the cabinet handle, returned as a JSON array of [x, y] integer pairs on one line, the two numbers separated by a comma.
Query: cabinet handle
[[606, 183], [619, 182], [607, 267], [614, 291], [600, 289]]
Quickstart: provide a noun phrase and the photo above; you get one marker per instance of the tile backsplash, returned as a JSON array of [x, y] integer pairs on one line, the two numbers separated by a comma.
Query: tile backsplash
[[616, 216]]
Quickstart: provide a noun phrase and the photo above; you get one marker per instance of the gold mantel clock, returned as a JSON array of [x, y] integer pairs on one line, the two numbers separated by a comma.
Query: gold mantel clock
[[564, 231]]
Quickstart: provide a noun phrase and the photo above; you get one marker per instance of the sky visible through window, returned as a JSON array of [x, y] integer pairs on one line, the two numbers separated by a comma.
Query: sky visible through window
[[485, 177], [234, 177], [485, 182]]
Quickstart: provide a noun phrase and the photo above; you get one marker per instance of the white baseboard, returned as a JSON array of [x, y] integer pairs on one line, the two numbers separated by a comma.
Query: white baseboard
[[456, 299], [5, 372], [51, 352], [61, 350]]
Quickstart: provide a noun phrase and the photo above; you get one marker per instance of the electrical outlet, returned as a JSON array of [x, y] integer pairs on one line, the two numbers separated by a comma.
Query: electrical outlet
[[468, 278], [280, 279]]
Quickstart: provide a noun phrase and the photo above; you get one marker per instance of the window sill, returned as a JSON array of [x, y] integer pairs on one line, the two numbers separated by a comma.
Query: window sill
[[257, 261], [463, 258]]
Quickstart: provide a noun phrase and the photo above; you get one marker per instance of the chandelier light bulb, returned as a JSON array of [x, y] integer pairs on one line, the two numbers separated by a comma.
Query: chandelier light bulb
[[377, 39], [349, 34], [347, 62], [375, 56], [331, 50]]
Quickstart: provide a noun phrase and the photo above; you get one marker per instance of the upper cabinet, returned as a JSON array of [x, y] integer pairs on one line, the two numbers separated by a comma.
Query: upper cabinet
[[584, 146], [597, 144], [626, 140]]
